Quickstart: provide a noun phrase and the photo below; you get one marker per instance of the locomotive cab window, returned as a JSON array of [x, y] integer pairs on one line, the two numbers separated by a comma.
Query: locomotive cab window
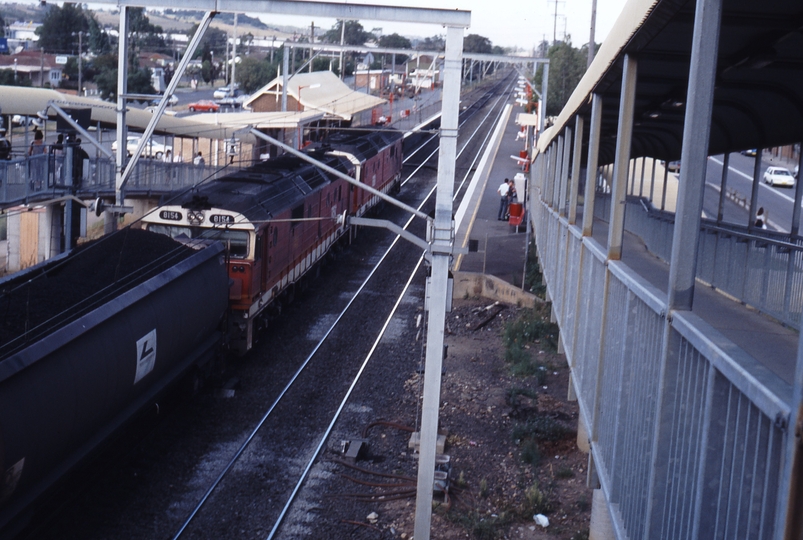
[[236, 241]]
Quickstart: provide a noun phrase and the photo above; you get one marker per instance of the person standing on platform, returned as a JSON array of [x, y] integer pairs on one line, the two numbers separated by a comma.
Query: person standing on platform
[[199, 160], [5, 154], [38, 144], [503, 191], [512, 196], [78, 157], [5, 146], [36, 166]]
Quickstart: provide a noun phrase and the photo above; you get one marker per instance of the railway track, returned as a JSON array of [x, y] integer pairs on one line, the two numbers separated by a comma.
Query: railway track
[[249, 465]]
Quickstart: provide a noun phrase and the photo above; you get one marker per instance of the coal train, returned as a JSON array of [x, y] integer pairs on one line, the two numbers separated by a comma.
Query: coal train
[[126, 319]]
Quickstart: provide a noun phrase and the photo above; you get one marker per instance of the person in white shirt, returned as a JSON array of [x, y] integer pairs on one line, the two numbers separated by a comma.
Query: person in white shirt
[[199, 160], [503, 190]]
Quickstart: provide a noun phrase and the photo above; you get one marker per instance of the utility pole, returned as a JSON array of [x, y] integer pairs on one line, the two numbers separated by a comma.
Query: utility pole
[[555, 23], [234, 56], [80, 65], [591, 43], [311, 41], [342, 40]]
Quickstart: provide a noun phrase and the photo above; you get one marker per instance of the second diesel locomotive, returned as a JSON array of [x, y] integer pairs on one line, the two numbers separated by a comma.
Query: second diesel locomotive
[[278, 218]]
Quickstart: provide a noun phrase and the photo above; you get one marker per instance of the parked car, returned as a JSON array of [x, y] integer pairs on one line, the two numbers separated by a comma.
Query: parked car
[[19, 120], [173, 100], [779, 176], [153, 149], [204, 105], [225, 92], [749, 152], [672, 166]]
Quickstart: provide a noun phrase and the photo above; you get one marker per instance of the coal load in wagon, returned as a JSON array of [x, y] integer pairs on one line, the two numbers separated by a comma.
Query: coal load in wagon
[[38, 302]]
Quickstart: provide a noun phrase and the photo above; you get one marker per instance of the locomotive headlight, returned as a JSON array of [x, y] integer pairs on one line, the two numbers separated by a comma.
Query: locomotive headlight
[[195, 218]]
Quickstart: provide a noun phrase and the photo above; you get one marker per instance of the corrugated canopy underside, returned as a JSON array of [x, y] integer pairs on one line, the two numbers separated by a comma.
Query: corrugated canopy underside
[[758, 99]]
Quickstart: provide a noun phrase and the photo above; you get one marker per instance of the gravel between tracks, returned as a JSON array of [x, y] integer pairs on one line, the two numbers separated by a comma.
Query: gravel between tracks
[[492, 488]]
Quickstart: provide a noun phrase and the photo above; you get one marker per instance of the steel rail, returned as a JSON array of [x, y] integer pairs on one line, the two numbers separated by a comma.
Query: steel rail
[[368, 357], [201, 503]]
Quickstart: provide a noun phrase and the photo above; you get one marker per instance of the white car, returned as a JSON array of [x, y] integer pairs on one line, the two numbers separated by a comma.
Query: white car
[[154, 149], [225, 92], [779, 176], [173, 100], [21, 120]]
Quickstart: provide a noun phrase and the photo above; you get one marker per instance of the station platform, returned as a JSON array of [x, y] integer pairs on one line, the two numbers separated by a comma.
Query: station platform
[[501, 246]]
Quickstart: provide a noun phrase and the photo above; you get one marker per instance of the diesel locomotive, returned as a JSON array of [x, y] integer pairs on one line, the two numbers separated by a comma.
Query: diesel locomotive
[[278, 218]]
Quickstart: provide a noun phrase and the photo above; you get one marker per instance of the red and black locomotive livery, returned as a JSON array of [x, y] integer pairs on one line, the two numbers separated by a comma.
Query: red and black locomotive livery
[[278, 218]]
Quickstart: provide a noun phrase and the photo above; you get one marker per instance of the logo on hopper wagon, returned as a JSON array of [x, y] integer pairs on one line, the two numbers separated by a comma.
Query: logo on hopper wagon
[[146, 355]]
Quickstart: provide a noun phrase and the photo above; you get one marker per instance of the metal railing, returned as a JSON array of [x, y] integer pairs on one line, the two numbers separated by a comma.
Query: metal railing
[[687, 431], [762, 268], [42, 177]]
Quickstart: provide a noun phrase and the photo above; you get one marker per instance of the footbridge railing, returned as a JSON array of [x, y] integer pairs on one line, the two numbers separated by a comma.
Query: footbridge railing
[[687, 431], [37, 178], [759, 267]]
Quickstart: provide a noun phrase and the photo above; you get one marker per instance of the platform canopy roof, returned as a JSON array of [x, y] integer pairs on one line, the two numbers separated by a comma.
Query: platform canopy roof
[[259, 120], [28, 101], [758, 99], [321, 91]]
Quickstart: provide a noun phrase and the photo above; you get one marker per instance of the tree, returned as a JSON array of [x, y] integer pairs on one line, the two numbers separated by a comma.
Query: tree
[[99, 41], [139, 82], [253, 74], [214, 41], [144, 35], [7, 79], [566, 68], [474, 43], [2, 26], [59, 30], [355, 33], [434, 43], [246, 40], [395, 41]]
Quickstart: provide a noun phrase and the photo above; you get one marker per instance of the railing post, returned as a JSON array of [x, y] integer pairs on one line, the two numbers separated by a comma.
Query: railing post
[[549, 187], [558, 173], [795, 229], [723, 186], [751, 216], [696, 132], [592, 165], [576, 162], [624, 135], [564, 173]]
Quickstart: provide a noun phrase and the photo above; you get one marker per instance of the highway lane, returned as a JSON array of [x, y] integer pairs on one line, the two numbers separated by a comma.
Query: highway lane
[[777, 201]]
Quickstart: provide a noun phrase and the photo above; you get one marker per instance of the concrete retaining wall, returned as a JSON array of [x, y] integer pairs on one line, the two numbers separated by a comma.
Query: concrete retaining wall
[[468, 284]]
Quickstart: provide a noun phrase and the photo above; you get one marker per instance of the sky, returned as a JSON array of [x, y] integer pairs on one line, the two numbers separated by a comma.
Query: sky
[[506, 23]]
